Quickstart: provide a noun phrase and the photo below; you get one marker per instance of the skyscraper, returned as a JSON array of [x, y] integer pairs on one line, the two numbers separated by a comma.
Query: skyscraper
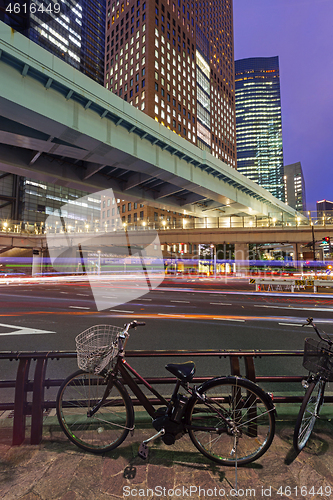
[[325, 209], [294, 186], [74, 31], [173, 59], [258, 122]]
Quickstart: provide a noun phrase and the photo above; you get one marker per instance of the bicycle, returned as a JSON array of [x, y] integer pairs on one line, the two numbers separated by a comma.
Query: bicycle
[[318, 359], [229, 419]]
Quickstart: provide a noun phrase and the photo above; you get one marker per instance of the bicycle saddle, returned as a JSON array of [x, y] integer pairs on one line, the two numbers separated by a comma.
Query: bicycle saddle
[[183, 371]]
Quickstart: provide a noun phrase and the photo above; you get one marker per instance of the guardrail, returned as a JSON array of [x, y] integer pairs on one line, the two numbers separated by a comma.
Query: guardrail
[[269, 284], [23, 385], [167, 221]]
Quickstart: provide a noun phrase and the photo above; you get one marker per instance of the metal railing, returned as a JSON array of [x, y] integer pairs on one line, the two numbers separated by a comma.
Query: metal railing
[[167, 223], [35, 406]]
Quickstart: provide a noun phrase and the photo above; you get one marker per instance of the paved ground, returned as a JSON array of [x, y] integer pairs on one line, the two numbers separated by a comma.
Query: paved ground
[[57, 470]]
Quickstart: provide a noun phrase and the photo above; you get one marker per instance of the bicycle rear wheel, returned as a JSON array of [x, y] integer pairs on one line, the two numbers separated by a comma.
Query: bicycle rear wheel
[[108, 427], [308, 413], [235, 422]]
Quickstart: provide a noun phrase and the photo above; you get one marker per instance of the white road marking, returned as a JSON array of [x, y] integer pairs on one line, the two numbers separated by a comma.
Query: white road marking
[[120, 311], [146, 299], [22, 330], [79, 307], [289, 308], [65, 292], [83, 294], [294, 324], [182, 301], [220, 303]]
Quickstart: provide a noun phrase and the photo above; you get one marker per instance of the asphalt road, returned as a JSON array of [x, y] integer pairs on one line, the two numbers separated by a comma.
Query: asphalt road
[[180, 314]]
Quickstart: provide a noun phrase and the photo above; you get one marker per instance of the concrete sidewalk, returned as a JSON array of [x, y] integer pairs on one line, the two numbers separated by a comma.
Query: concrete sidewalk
[[57, 470]]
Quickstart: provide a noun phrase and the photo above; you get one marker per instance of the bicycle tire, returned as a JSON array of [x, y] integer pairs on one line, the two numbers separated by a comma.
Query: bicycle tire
[[308, 413], [243, 403], [108, 427]]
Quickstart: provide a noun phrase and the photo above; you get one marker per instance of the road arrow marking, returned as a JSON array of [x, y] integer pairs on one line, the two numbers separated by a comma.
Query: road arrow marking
[[22, 330]]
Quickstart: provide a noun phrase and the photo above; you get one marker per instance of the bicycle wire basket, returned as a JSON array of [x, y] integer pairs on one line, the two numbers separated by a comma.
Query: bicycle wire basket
[[97, 346], [318, 358]]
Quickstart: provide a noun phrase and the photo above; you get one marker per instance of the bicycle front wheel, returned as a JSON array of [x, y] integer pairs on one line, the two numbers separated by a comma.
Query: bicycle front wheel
[[308, 413], [108, 427], [234, 422]]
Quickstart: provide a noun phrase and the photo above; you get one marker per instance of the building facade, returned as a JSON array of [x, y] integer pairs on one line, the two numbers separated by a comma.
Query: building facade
[[325, 209], [294, 186], [115, 211], [75, 34], [173, 59], [259, 123], [73, 30]]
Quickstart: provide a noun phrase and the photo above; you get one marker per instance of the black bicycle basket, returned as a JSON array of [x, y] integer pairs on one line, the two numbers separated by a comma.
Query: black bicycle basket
[[318, 358]]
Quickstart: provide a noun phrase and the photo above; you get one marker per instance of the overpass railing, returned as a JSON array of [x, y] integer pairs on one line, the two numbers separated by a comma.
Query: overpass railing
[[30, 398], [183, 222]]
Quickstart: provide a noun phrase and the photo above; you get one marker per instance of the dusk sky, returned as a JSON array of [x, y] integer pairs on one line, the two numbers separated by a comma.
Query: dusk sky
[[300, 32]]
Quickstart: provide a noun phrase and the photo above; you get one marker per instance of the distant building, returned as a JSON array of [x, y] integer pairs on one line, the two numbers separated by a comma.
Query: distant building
[[114, 211], [258, 122], [174, 60], [325, 209], [294, 186]]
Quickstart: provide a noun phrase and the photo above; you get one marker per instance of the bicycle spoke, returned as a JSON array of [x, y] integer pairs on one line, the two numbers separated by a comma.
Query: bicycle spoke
[[109, 423], [239, 422]]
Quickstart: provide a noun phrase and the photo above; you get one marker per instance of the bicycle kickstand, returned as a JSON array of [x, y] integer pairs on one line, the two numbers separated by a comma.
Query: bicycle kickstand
[[143, 448]]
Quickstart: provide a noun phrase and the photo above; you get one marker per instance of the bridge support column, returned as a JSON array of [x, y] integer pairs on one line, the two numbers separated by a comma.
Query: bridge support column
[[37, 261], [296, 255], [242, 257]]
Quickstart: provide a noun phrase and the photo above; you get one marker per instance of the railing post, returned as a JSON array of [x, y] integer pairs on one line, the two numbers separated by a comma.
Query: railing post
[[234, 365], [249, 368], [20, 401], [37, 401]]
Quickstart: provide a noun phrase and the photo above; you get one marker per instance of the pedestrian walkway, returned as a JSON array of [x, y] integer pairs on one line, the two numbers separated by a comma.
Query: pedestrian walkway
[[57, 470]]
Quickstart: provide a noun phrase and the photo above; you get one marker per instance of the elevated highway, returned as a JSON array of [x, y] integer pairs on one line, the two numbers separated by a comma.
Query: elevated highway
[[59, 126], [301, 235]]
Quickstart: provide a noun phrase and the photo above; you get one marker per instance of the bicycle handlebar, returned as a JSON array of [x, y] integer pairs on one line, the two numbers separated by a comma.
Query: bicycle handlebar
[[309, 321], [133, 324]]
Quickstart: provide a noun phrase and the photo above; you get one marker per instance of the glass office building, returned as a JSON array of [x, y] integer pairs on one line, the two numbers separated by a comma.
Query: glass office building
[[294, 186], [77, 36], [73, 30], [258, 122]]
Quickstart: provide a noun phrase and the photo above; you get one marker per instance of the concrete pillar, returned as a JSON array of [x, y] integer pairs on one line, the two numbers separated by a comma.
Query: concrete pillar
[[242, 258], [37, 261], [296, 256]]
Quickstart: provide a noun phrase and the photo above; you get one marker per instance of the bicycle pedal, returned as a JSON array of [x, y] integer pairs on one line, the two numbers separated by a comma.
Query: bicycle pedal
[[143, 451]]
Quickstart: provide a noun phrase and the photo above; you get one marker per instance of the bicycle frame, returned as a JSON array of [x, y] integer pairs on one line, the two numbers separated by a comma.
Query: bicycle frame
[[124, 369]]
